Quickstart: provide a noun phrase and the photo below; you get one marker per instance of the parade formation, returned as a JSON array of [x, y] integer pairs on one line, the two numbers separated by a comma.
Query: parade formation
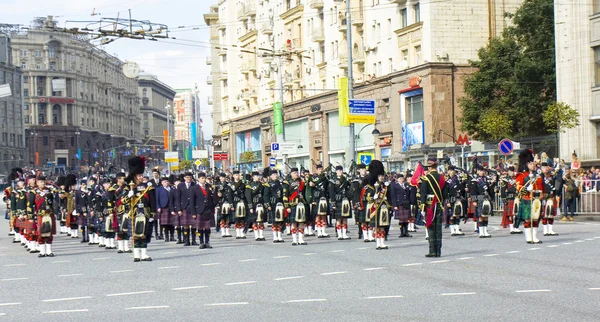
[[125, 211]]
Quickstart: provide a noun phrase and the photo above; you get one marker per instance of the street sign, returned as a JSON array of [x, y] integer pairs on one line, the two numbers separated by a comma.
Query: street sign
[[197, 163], [171, 157], [272, 162], [440, 154], [506, 147], [199, 154], [280, 148], [220, 156], [365, 157], [463, 140], [361, 111], [95, 155]]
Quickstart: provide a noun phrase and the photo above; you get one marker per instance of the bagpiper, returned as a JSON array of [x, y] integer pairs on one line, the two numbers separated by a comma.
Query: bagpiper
[[122, 209], [183, 202], [18, 206], [239, 207], [319, 208], [44, 217], [508, 192], [454, 204], [72, 214], [338, 197], [82, 206], [94, 201], [376, 200], [530, 188], [203, 205], [359, 212], [432, 195], [480, 191], [224, 209], [274, 200], [550, 203], [13, 178], [142, 201], [295, 204], [254, 199], [27, 226], [308, 196], [107, 218]]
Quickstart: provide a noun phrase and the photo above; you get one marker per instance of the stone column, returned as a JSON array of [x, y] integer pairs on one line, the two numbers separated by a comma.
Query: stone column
[[64, 114], [49, 114]]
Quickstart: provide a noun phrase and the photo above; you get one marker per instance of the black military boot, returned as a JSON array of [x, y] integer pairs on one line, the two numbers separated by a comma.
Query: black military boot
[[194, 243], [179, 241]]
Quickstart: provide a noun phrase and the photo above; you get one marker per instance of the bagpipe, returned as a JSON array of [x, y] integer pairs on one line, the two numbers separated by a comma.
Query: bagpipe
[[379, 205]]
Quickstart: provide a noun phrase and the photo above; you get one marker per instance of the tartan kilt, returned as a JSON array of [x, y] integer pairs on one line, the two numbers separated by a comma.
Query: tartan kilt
[[82, 220], [361, 215], [185, 219], [291, 217], [202, 221], [39, 225], [310, 216], [165, 217], [471, 209], [554, 206], [525, 210], [509, 205], [402, 214]]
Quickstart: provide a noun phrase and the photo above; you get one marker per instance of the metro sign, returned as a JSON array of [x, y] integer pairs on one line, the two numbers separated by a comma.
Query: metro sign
[[463, 140]]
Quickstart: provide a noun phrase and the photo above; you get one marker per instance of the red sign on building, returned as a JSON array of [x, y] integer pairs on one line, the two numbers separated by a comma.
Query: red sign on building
[[220, 156], [62, 100]]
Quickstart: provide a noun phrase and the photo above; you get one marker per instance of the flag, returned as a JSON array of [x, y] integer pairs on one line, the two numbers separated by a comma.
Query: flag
[[344, 113], [166, 139], [419, 171], [278, 118], [114, 153]]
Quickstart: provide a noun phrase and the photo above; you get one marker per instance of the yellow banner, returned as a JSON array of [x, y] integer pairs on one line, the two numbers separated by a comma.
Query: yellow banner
[[354, 118], [343, 102]]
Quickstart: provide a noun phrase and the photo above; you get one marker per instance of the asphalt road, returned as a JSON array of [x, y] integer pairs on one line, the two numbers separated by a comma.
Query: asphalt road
[[496, 279]]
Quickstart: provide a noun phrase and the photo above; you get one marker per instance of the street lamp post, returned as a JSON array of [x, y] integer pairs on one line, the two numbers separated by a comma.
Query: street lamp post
[[78, 162], [357, 136]]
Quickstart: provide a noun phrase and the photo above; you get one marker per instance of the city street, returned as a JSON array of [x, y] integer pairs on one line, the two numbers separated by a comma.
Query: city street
[[501, 278]]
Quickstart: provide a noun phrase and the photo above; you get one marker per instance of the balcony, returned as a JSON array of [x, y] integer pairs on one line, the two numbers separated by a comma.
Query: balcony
[[209, 80], [318, 34], [267, 28], [250, 32], [209, 100], [343, 61], [209, 60], [288, 80], [358, 57], [322, 70], [297, 44], [249, 9], [241, 15], [248, 66], [222, 50], [316, 4], [358, 19], [267, 59], [342, 26], [223, 75]]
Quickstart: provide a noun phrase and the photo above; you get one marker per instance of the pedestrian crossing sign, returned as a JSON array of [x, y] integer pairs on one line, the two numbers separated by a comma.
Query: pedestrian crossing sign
[[365, 157]]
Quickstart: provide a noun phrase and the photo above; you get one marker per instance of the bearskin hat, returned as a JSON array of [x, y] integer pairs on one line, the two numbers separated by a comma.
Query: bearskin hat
[[137, 165], [375, 170], [266, 172], [524, 157], [70, 180], [15, 173], [60, 181]]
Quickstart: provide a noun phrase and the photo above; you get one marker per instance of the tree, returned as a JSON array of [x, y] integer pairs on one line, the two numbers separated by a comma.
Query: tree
[[515, 80], [559, 117], [185, 165], [248, 156]]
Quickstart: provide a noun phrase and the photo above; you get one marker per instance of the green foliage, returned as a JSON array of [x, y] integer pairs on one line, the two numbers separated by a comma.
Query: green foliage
[[559, 117], [204, 162], [185, 165], [248, 156], [515, 82]]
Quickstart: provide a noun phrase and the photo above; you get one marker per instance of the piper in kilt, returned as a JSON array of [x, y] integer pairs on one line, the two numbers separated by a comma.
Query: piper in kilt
[[183, 200], [319, 206], [45, 219], [123, 220], [27, 226], [224, 207], [164, 209], [203, 201], [82, 199], [72, 214], [142, 200], [530, 187], [401, 203], [274, 200], [550, 202], [254, 199], [340, 204], [359, 214], [454, 202], [238, 204], [18, 206], [94, 202], [295, 204], [508, 191], [432, 195], [376, 201]]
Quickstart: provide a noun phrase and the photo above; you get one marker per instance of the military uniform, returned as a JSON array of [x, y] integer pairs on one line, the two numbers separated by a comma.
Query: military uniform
[[122, 209], [142, 200], [318, 200], [257, 213], [550, 203], [530, 189], [82, 207], [45, 219], [480, 194], [295, 204], [107, 219], [508, 193], [376, 199], [224, 206], [274, 200], [454, 204], [237, 200], [338, 198], [203, 201], [18, 206], [432, 189], [359, 212]]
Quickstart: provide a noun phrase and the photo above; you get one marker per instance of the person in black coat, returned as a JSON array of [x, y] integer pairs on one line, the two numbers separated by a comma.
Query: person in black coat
[[164, 208], [401, 203], [184, 209], [203, 209]]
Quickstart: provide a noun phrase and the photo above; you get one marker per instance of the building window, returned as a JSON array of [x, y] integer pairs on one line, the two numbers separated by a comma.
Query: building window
[[403, 18], [25, 79], [316, 125], [26, 106], [37, 53], [417, 9], [418, 54], [24, 53], [389, 28], [72, 141], [52, 66], [597, 65], [23, 65], [26, 119], [45, 141], [415, 108], [26, 92]]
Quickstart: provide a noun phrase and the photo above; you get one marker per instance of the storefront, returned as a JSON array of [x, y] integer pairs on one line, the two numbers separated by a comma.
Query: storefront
[[296, 131], [248, 150]]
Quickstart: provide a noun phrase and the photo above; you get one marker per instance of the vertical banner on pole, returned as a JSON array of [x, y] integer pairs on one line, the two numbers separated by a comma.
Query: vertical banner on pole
[[344, 113], [278, 118], [166, 139], [37, 159], [79, 154], [193, 134]]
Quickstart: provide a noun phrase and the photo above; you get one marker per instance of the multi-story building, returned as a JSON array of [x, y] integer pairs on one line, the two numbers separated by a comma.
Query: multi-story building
[[578, 76], [12, 139], [186, 111], [76, 98], [156, 106], [410, 57]]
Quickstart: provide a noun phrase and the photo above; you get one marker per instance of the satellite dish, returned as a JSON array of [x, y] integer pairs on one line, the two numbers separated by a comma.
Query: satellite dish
[[131, 69]]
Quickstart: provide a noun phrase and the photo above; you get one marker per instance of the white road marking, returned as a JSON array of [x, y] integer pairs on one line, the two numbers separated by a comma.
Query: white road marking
[[490, 255], [333, 273], [210, 264], [10, 304], [2, 314], [227, 304], [457, 294], [597, 237], [278, 257], [532, 291], [361, 248], [248, 260], [288, 278], [338, 251], [14, 279], [567, 243], [413, 264], [169, 253], [101, 258], [130, 293], [513, 252], [384, 297], [536, 248], [13, 265], [580, 241], [241, 283], [188, 288], [591, 289], [65, 311], [122, 271], [464, 258], [373, 268], [304, 301], [168, 267], [442, 261], [147, 307], [309, 254], [589, 239], [552, 246], [68, 299], [59, 262], [70, 275]]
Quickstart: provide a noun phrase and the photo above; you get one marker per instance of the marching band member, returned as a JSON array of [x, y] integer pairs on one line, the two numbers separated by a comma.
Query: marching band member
[[18, 206], [338, 197], [454, 202], [93, 200], [359, 212], [164, 208], [308, 196], [274, 199], [254, 200], [156, 182], [401, 204], [122, 209], [45, 219], [319, 206], [142, 201], [508, 192], [529, 186], [480, 193], [238, 204], [82, 198], [183, 200], [224, 192], [293, 198], [107, 219], [550, 203], [203, 209], [432, 188], [72, 214], [376, 202]]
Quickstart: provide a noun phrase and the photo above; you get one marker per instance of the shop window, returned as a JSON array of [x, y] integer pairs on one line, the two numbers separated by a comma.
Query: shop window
[[415, 108]]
